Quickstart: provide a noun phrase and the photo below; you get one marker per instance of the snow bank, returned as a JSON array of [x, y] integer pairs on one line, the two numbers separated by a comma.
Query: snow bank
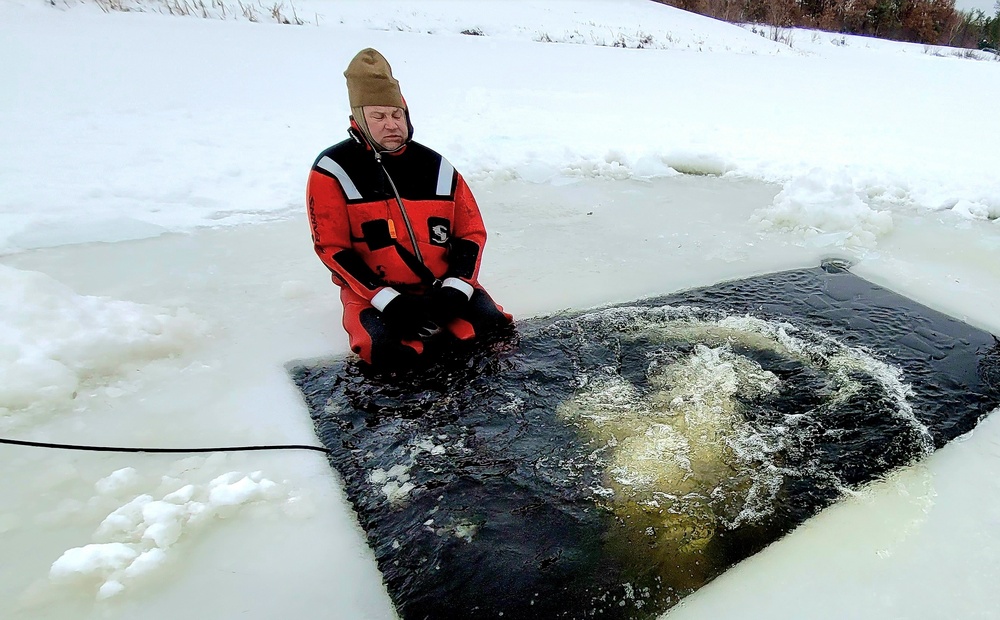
[[985, 209], [139, 537], [110, 146], [817, 41], [53, 341]]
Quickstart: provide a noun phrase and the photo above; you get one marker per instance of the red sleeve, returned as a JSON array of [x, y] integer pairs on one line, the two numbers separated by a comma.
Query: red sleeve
[[468, 235], [331, 233]]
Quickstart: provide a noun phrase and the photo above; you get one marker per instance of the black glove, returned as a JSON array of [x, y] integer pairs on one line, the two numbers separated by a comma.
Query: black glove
[[446, 304], [408, 316]]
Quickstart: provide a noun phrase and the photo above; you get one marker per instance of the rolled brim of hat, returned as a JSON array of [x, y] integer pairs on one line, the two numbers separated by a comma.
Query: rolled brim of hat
[[370, 81]]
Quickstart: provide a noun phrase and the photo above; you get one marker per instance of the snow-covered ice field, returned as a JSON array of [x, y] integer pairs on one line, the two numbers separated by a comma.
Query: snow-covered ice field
[[157, 272]]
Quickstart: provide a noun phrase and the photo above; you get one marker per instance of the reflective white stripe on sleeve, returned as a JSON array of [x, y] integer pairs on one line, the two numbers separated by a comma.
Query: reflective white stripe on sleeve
[[459, 285], [383, 297], [445, 173], [334, 168]]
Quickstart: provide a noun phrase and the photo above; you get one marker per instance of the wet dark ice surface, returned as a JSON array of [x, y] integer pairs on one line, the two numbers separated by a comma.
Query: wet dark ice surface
[[483, 496]]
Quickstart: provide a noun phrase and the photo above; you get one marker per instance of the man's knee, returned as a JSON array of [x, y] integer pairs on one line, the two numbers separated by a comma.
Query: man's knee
[[379, 347], [485, 314], [376, 345]]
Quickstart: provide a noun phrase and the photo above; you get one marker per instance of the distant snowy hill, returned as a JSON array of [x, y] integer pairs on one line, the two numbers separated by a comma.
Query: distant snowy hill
[[623, 23]]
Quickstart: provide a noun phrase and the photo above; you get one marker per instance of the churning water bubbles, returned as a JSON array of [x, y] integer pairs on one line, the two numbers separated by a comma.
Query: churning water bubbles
[[704, 438]]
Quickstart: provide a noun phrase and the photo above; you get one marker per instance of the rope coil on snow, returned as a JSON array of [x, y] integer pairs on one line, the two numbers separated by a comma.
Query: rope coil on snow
[[63, 446]]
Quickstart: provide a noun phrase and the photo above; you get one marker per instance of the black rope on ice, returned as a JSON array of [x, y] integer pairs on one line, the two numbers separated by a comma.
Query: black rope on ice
[[66, 446]]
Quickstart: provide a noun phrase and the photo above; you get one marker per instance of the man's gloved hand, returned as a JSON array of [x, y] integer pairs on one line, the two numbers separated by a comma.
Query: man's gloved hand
[[446, 304], [408, 316]]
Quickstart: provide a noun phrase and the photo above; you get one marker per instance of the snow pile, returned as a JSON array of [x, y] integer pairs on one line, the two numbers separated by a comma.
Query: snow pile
[[828, 210], [53, 341], [137, 538], [976, 210]]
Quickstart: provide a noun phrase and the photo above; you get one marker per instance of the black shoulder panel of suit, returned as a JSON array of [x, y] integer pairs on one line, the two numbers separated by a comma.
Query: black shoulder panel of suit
[[336, 148], [418, 172]]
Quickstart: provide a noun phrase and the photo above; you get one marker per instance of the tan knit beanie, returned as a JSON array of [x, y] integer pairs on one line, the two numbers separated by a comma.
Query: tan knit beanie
[[370, 82]]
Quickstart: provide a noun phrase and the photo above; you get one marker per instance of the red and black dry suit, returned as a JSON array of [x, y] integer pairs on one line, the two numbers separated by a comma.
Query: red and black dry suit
[[401, 221]]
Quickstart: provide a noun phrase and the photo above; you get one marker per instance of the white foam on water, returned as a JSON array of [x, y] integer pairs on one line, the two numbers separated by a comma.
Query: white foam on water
[[691, 406], [393, 483]]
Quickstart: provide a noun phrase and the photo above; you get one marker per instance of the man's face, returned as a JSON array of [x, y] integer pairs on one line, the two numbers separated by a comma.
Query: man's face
[[387, 125]]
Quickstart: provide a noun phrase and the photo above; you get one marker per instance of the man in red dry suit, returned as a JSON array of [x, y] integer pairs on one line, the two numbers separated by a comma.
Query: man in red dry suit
[[398, 227]]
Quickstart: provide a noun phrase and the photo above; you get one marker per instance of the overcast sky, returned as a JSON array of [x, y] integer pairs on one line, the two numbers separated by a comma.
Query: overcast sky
[[988, 6]]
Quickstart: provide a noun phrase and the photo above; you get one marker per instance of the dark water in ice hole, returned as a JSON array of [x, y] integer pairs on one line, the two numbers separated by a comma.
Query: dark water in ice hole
[[516, 480]]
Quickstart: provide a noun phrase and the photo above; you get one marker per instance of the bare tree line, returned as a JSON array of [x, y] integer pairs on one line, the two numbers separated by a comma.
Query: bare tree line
[[935, 22]]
